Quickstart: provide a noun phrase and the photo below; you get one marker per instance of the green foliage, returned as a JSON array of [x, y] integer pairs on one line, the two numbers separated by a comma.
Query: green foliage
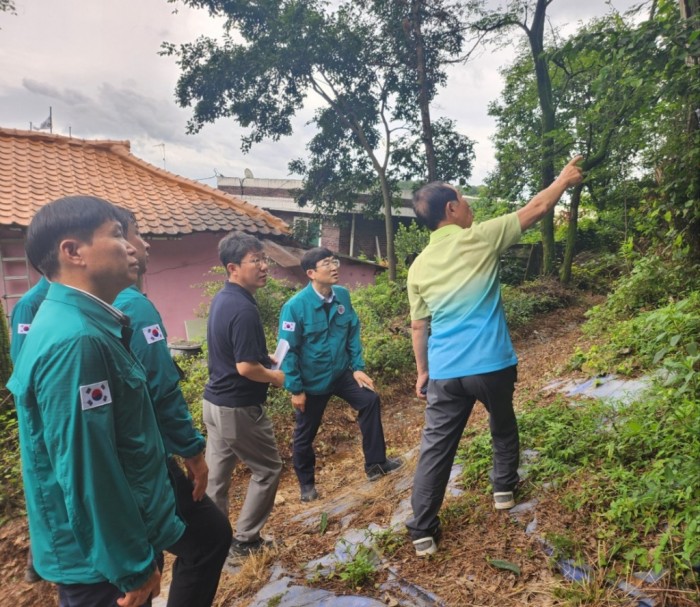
[[388, 542], [323, 523], [454, 154], [360, 570], [409, 241], [596, 272], [10, 469], [523, 303], [307, 231], [362, 70], [666, 337], [270, 300], [630, 473], [505, 565], [384, 316], [487, 206], [652, 282], [275, 601], [192, 386], [665, 50], [5, 361]]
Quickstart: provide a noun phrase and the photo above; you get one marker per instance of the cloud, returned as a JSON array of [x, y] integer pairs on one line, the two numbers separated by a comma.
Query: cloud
[[100, 72], [53, 93]]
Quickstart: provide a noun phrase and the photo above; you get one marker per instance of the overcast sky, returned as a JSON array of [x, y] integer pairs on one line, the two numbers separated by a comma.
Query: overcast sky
[[96, 63]]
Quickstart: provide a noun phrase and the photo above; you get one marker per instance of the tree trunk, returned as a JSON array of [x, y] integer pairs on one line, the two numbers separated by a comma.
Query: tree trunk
[[571, 232], [423, 93], [388, 225], [544, 92]]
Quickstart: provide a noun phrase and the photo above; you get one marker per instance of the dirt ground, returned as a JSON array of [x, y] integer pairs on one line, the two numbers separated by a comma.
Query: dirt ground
[[460, 574]]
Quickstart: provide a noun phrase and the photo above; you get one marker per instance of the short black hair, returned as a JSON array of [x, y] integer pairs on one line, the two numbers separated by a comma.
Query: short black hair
[[235, 246], [126, 217], [72, 216], [430, 201], [313, 256]]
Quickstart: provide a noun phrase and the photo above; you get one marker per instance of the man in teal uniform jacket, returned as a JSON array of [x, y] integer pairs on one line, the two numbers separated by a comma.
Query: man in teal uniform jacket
[[99, 501], [208, 532], [21, 319], [23, 315], [325, 359]]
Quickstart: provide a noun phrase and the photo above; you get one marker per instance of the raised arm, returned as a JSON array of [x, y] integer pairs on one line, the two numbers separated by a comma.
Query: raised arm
[[544, 201]]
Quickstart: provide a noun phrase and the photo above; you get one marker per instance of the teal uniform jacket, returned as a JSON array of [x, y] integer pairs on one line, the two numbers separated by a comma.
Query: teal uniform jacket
[[23, 315], [149, 344], [321, 347], [99, 501]]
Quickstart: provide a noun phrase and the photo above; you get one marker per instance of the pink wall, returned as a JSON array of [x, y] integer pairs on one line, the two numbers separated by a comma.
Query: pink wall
[[177, 267], [176, 270]]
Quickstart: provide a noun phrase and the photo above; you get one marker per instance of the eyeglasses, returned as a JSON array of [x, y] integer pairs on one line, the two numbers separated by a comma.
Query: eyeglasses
[[259, 261], [331, 262]]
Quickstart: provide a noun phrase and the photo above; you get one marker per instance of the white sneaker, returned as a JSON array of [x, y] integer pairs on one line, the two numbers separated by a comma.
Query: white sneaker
[[503, 500], [425, 546]]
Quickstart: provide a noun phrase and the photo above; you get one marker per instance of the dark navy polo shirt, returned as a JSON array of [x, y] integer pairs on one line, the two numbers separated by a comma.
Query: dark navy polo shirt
[[234, 334]]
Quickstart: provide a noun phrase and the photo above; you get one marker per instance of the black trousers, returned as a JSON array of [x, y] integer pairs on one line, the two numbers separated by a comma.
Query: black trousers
[[450, 403], [201, 553], [362, 400]]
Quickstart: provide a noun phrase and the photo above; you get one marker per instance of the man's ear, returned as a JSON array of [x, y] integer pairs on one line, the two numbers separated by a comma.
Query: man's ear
[[69, 252], [231, 268], [309, 272]]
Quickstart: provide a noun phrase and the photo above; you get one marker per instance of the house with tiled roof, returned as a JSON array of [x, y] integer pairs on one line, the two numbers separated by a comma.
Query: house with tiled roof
[[183, 220], [350, 233]]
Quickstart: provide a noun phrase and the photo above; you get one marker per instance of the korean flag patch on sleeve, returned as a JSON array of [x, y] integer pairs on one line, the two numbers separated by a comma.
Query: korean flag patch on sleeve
[[288, 325], [23, 328], [95, 395], [153, 334]]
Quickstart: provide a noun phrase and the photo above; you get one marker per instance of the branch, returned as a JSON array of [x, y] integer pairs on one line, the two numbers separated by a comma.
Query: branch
[[387, 147], [349, 120]]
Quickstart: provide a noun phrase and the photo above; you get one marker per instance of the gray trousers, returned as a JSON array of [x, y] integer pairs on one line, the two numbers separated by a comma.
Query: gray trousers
[[242, 434], [450, 403]]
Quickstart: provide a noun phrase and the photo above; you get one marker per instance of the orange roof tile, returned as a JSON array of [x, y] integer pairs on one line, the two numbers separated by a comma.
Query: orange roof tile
[[36, 168]]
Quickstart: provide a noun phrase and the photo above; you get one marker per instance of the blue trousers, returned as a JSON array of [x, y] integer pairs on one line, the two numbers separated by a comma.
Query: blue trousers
[[364, 401], [450, 403]]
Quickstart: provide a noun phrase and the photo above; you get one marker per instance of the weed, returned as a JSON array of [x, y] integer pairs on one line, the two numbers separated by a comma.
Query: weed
[[275, 600], [565, 546], [464, 509], [389, 541], [360, 570]]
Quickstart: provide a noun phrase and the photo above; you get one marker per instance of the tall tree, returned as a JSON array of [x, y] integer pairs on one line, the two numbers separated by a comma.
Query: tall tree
[[424, 37], [601, 99], [665, 49], [274, 56], [530, 17]]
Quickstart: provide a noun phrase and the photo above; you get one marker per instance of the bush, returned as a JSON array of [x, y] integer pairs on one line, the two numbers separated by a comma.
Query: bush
[[409, 242], [664, 337], [192, 386], [523, 303], [10, 469], [596, 272], [629, 474], [652, 283], [384, 315]]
